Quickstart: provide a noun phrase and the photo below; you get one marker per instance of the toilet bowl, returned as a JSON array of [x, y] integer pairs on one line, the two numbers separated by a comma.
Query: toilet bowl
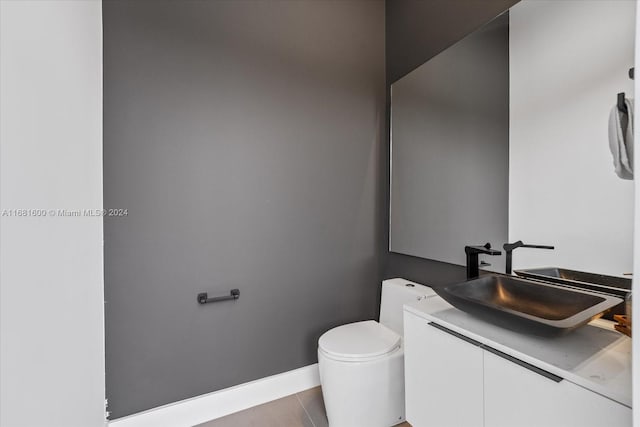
[[362, 364]]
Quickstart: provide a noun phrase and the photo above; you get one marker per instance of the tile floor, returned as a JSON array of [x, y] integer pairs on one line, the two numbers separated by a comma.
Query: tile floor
[[304, 409]]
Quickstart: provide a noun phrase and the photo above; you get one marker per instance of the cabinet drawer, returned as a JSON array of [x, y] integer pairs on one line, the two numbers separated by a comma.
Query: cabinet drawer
[[517, 396], [443, 377]]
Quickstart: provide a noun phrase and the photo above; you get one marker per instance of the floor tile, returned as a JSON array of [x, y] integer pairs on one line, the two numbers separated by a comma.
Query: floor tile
[[304, 409], [314, 405], [282, 412]]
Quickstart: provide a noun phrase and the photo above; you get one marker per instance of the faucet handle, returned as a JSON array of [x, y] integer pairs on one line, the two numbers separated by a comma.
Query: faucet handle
[[481, 249], [511, 246]]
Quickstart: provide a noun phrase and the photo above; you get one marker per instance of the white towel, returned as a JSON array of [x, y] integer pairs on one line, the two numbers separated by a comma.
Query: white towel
[[621, 140]]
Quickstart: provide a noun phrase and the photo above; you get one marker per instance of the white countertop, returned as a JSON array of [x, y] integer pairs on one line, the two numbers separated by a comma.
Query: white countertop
[[594, 356]]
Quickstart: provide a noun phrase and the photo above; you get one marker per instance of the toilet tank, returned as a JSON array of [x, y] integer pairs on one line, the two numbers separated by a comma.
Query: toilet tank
[[395, 294]]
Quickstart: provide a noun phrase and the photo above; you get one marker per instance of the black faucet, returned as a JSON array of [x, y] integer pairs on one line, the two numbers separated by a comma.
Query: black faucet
[[472, 252], [509, 247]]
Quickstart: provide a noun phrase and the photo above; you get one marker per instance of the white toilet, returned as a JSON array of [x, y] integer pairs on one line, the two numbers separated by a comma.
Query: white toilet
[[362, 364]]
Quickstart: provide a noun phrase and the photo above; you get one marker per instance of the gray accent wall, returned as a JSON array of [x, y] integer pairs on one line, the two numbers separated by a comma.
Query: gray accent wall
[[417, 30], [244, 139]]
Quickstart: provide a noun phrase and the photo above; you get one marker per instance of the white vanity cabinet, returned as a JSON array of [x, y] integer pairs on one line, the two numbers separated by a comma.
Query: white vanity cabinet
[[443, 377], [517, 396], [452, 380]]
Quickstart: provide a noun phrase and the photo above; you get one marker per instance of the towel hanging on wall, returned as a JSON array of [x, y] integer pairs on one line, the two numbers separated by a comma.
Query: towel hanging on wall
[[621, 137]]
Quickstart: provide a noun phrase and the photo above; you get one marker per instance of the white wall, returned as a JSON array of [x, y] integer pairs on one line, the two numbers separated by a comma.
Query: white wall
[[568, 60], [636, 259], [51, 293]]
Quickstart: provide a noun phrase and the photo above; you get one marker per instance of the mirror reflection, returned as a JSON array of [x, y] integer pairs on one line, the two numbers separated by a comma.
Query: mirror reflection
[[505, 136]]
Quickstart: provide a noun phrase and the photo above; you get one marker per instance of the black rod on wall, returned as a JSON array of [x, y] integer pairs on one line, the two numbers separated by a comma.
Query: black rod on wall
[[203, 297]]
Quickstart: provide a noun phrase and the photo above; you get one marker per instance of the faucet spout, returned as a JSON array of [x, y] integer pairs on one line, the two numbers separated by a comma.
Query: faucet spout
[[473, 268]]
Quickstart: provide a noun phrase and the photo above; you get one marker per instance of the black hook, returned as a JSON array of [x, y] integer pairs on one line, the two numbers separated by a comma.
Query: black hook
[[622, 105]]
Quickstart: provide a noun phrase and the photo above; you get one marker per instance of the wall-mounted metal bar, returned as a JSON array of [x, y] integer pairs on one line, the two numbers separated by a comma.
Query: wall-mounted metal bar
[[203, 297], [631, 73]]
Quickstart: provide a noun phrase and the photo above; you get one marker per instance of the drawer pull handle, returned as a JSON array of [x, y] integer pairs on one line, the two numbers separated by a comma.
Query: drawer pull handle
[[532, 368]]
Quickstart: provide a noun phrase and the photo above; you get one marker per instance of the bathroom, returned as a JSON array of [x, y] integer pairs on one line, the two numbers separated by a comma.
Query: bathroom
[[248, 145]]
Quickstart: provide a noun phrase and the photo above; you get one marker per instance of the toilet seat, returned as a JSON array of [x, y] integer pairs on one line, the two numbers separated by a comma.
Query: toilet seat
[[359, 342]]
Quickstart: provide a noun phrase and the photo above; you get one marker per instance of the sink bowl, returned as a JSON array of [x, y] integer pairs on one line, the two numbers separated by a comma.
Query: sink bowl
[[526, 305], [618, 286]]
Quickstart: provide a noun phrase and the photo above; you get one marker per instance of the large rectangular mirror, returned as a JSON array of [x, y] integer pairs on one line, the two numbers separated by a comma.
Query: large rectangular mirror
[[504, 137]]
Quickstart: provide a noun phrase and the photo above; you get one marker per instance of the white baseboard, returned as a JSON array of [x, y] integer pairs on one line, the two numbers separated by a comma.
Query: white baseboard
[[199, 409]]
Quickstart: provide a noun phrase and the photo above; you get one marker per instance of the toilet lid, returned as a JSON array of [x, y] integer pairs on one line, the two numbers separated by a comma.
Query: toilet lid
[[359, 340]]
